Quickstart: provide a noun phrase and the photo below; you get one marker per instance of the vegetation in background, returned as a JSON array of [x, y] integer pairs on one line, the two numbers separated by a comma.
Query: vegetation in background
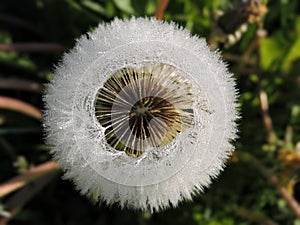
[[260, 40]]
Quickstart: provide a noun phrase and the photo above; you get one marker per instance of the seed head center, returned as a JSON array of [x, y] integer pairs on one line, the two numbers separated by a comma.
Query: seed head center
[[141, 110], [144, 107]]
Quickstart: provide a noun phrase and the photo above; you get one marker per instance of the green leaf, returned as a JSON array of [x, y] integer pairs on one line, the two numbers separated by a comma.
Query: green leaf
[[96, 7], [277, 52], [294, 51], [272, 51], [125, 6]]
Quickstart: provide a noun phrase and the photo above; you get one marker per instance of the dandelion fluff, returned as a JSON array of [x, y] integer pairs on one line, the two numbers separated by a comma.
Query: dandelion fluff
[[141, 113]]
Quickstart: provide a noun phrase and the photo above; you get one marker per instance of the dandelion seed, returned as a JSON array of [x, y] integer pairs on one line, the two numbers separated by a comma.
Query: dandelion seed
[[141, 113]]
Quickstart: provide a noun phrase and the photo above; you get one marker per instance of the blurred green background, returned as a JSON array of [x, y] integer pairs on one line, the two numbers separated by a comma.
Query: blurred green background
[[261, 179]]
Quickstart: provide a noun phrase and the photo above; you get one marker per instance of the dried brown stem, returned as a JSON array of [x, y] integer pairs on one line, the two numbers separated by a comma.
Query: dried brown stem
[[263, 98], [32, 47], [23, 179], [16, 202], [267, 121], [264, 106], [272, 178], [160, 9], [20, 84], [20, 106]]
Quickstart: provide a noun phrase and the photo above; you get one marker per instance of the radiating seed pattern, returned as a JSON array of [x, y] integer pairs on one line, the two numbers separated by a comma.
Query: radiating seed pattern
[[144, 107]]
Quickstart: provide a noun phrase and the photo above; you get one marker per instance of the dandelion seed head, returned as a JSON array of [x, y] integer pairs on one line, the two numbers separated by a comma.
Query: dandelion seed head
[[141, 113]]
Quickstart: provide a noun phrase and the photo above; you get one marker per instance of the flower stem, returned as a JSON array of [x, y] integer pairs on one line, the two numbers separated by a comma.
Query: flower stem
[[264, 108], [23, 179], [20, 106], [20, 84], [272, 178], [15, 203], [160, 9]]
